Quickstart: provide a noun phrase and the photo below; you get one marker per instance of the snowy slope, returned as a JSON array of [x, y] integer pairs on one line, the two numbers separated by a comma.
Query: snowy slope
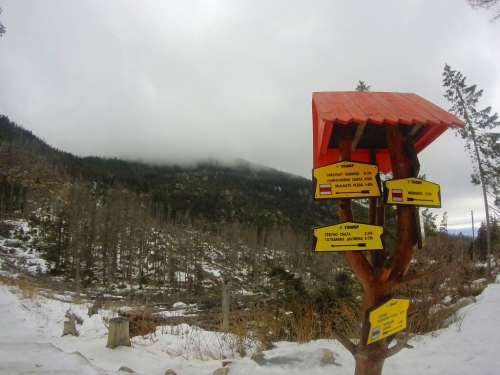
[[31, 342]]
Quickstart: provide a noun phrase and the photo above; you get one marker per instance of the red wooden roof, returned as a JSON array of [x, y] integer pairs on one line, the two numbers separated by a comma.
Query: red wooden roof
[[425, 121]]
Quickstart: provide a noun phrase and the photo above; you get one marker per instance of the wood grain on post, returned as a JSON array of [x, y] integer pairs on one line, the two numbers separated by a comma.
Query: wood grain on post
[[376, 216], [403, 166], [356, 259], [118, 333]]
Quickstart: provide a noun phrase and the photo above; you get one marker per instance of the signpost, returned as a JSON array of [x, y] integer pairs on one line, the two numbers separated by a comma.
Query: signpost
[[387, 319], [346, 179], [412, 191], [348, 236], [387, 130]]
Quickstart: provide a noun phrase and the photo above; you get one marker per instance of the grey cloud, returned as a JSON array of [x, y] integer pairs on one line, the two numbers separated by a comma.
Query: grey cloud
[[172, 81]]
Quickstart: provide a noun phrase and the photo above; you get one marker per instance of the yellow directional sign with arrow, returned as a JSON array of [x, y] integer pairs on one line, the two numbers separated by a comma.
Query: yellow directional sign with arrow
[[346, 179], [412, 191], [387, 319], [348, 236]]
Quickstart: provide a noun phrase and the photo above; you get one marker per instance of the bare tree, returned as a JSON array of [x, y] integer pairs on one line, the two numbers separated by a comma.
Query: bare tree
[[2, 27], [492, 5]]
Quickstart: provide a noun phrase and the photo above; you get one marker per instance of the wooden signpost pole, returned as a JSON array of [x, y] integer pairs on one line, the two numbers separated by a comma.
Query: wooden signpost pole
[[407, 236], [356, 259], [379, 282], [376, 216]]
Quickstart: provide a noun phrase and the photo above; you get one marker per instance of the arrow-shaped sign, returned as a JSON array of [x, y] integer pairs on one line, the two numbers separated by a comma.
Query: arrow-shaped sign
[[387, 319], [346, 179], [348, 236], [412, 191]]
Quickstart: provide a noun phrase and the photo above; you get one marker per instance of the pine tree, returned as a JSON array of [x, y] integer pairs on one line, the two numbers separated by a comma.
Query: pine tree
[[481, 141], [443, 227], [362, 86], [430, 226]]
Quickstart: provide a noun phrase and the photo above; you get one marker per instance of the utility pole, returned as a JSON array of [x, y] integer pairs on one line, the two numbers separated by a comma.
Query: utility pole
[[473, 236]]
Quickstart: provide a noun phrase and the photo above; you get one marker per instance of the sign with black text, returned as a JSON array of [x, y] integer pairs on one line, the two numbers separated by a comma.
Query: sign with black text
[[348, 236], [412, 191], [346, 179], [387, 319]]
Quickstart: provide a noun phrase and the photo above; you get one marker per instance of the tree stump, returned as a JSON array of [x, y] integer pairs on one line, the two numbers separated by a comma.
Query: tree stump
[[69, 328], [94, 309], [118, 333], [70, 325]]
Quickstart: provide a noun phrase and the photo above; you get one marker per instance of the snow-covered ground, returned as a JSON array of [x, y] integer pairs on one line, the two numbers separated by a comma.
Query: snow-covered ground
[[31, 343]]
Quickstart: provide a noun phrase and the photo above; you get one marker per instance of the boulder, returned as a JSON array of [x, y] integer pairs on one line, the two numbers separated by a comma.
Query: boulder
[[261, 360], [328, 357]]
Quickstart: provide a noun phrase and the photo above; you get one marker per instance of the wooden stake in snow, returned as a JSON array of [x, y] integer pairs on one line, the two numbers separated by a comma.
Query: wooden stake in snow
[[118, 333]]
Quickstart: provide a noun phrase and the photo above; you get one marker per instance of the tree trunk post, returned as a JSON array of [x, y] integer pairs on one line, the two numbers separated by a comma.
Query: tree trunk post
[[382, 276], [118, 333], [376, 216]]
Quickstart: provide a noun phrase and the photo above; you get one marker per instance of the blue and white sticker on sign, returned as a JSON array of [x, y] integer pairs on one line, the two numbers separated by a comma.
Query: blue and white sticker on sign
[[375, 333]]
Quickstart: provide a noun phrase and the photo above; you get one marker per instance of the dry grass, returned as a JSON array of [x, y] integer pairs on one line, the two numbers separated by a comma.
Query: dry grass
[[21, 285], [433, 295], [143, 320], [194, 342], [261, 327]]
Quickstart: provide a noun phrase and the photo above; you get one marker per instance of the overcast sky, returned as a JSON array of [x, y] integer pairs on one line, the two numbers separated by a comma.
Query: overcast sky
[[183, 80]]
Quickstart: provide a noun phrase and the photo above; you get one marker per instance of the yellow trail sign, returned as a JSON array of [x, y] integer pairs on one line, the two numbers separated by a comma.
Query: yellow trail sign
[[348, 236], [412, 191], [387, 319], [346, 179]]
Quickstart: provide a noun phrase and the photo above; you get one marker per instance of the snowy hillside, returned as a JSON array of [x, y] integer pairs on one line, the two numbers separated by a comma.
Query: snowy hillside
[[31, 342]]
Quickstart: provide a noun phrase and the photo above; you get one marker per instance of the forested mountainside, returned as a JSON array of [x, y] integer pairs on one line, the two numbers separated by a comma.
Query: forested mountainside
[[244, 192], [110, 222]]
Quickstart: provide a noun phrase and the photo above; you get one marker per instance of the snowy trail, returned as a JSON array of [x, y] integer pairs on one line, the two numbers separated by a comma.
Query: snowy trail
[[30, 342], [24, 349], [472, 347]]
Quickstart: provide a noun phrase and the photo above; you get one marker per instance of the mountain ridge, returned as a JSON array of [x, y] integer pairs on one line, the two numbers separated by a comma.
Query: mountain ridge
[[216, 191]]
